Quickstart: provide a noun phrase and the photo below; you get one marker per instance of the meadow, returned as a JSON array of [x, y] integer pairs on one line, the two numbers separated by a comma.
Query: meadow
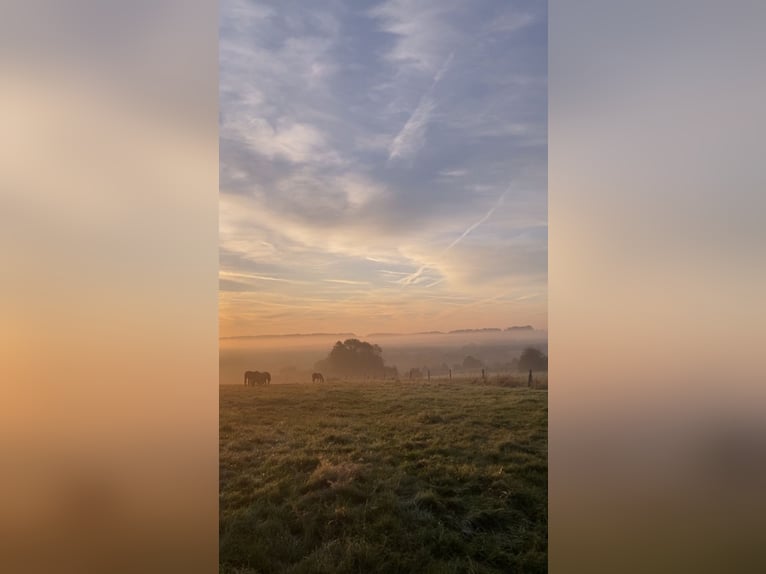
[[381, 476]]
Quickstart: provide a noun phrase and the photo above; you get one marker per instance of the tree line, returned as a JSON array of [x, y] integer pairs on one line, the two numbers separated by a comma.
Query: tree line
[[356, 359]]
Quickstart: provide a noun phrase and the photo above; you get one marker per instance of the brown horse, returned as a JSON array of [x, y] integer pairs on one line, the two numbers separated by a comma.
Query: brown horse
[[317, 377], [253, 378]]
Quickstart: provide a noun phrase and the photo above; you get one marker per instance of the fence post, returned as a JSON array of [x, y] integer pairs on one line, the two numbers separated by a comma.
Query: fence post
[[450, 374], [429, 375], [483, 376], [529, 381]]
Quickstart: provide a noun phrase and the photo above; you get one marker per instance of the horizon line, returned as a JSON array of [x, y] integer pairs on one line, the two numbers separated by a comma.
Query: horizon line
[[391, 334]]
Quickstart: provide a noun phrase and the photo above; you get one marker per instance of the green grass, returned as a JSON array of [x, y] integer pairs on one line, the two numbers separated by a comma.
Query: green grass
[[383, 477]]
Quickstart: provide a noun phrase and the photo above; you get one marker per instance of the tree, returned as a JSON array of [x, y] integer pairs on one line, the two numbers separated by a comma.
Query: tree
[[471, 362], [353, 358], [533, 360]]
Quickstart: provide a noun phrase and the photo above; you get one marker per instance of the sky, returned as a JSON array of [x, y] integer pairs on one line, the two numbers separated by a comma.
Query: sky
[[383, 166]]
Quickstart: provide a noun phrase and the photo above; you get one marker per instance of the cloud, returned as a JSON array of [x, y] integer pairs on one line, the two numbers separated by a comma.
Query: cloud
[[303, 221], [346, 281], [453, 172], [273, 63], [422, 29], [512, 21], [289, 140], [240, 276]]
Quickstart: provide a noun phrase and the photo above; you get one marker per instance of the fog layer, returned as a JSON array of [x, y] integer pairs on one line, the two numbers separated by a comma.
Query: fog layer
[[291, 358]]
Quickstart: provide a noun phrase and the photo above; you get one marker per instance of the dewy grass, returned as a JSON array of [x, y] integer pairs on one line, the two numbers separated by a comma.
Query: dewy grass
[[383, 477]]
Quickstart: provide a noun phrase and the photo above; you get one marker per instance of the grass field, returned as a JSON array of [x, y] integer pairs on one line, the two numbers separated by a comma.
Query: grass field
[[383, 477]]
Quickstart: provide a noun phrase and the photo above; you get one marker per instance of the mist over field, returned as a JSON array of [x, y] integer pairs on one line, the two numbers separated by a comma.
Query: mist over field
[[291, 358]]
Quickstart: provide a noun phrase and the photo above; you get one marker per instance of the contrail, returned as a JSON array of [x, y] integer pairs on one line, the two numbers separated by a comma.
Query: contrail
[[475, 225], [412, 135], [409, 279], [443, 70]]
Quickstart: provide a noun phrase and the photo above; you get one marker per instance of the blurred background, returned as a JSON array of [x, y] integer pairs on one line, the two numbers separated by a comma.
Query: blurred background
[[108, 298], [657, 459]]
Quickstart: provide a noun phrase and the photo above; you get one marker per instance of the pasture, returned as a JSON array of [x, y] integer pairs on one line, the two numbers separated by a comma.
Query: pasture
[[382, 477]]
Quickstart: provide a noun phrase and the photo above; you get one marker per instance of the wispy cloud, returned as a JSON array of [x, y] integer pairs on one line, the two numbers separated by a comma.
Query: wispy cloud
[[423, 30], [346, 281], [238, 275], [512, 21], [453, 172]]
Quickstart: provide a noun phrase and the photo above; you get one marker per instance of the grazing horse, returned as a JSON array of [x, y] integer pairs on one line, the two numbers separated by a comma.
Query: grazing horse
[[253, 378], [317, 377]]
